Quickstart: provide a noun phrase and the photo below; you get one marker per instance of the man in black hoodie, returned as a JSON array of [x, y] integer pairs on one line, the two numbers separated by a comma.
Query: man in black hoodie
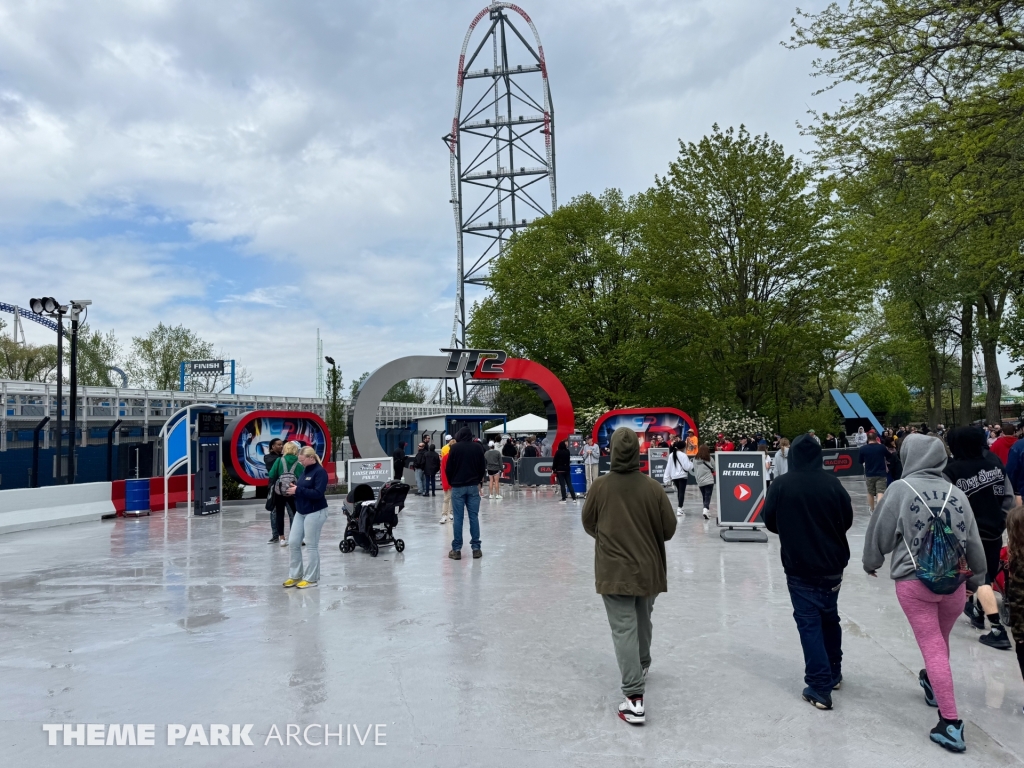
[[811, 512], [465, 470], [398, 457], [431, 466]]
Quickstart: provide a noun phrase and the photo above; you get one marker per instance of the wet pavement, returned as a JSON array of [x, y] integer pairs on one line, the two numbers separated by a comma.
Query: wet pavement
[[502, 661]]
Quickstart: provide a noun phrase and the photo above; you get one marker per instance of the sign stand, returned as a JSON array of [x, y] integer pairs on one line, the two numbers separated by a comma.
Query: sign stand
[[372, 472], [741, 490], [657, 462]]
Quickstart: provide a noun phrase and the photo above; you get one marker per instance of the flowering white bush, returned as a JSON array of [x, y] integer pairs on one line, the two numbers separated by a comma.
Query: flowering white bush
[[732, 423], [586, 418]]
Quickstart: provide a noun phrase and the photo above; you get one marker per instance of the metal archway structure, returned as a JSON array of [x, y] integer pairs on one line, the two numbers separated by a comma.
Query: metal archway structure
[[480, 365], [502, 146]]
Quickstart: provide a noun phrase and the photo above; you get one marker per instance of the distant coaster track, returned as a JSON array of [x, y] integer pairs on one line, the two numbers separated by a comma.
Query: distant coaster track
[[28, 314]]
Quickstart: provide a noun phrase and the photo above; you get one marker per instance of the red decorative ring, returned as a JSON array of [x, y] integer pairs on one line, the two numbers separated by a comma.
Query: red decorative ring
[[643, 411], [239, 424], [561, 418]]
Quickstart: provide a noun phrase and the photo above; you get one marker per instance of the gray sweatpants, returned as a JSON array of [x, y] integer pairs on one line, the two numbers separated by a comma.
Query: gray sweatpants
[[630, 620]]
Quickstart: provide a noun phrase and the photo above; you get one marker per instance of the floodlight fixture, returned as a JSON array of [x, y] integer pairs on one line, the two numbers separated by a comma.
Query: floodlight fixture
[[329, 359], [47, 305]]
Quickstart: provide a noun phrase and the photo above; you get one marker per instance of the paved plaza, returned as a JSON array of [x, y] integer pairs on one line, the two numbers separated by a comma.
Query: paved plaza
[[502, 661]]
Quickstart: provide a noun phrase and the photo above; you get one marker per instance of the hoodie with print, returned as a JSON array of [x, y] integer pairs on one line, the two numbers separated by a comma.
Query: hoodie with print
[[901, 518], [980, 475]]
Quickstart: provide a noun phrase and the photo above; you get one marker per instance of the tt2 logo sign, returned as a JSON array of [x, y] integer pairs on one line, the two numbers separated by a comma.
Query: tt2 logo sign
[[462, 360]]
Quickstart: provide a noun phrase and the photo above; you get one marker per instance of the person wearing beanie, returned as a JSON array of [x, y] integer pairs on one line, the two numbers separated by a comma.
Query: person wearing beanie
[[630, 518]]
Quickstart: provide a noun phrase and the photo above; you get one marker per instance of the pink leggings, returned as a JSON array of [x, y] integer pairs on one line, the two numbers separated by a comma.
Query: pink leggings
[[932, 618]]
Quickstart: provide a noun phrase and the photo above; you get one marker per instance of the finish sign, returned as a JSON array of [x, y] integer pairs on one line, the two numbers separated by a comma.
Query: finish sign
[[740, 487]]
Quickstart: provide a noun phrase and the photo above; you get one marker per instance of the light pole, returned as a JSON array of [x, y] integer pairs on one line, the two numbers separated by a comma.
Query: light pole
[[50, 306], [77, 307], [333, 416]]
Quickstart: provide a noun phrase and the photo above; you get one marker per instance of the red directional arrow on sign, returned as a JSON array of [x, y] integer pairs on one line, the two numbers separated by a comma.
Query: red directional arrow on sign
[[742, 492]]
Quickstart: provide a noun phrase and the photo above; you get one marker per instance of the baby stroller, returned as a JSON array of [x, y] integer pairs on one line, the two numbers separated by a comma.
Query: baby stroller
[[371, 521]]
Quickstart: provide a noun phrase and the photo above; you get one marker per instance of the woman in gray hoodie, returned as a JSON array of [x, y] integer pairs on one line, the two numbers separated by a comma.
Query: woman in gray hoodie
[[897, 526]]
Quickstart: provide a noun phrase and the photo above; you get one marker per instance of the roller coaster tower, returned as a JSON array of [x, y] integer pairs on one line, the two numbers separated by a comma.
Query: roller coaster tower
[[502, 144]]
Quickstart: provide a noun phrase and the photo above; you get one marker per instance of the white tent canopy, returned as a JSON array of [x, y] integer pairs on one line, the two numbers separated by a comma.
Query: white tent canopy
[[524, 425]]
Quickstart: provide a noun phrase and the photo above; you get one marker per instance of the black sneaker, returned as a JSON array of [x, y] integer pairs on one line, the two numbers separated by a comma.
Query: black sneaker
[[838, 683], [455, 554], [973, 612], [950, 734], [929, 694], [274, 540], [821, 701], [477, 554], [996, 639]]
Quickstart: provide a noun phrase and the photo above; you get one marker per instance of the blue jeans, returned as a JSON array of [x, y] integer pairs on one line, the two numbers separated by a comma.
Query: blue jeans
[[816, 611], [419, 481], [308, 527], [466, 497]]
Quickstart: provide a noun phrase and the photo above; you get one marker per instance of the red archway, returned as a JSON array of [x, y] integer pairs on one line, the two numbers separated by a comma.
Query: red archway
[[561, 418]]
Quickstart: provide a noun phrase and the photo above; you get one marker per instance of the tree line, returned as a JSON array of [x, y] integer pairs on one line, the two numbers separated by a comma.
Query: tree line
[[152, 360], [888, 262]]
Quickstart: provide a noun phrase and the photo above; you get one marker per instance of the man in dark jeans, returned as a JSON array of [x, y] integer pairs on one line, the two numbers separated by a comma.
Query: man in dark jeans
[[873, 456], [465, 470], [431, 466], [811, 512]]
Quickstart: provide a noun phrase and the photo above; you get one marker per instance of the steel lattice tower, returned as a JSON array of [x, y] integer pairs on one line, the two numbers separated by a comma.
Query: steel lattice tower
[[502, 146]]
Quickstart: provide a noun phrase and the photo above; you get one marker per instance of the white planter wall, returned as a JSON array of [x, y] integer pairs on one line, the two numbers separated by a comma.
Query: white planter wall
[[23, 509]]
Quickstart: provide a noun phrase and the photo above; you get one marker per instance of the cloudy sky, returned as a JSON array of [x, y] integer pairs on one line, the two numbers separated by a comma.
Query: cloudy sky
[[256, 170]]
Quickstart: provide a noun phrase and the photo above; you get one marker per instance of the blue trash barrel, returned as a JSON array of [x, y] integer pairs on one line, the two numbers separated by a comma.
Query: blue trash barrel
[[578, 475], [136, 495]]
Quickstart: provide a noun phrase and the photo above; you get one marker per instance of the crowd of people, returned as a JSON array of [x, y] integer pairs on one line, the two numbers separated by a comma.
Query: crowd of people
[[930, 493], [952, 499]]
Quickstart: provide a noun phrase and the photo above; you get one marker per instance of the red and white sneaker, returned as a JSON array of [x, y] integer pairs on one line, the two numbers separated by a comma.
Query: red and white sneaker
[[632, 710]]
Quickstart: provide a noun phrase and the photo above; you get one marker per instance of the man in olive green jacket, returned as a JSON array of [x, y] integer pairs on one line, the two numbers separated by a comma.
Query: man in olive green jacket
[[631, 518]]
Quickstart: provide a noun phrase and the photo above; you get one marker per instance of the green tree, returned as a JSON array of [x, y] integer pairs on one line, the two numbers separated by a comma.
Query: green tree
[[940, 95], [26, 362], [742, 222], [406, 392], [575, 292], [97, 352], [353, 388], [515, 399], [156, 357], [335, 409], [155, 360]]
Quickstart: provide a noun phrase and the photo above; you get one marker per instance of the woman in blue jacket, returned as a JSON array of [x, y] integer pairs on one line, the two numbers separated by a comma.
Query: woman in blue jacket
[[311, 508]]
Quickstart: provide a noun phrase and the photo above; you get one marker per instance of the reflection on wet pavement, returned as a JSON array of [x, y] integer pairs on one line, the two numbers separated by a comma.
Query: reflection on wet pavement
[[505, 660]]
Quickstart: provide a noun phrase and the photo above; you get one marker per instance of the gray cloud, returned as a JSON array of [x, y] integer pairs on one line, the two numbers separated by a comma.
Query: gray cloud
[[303, 139]]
